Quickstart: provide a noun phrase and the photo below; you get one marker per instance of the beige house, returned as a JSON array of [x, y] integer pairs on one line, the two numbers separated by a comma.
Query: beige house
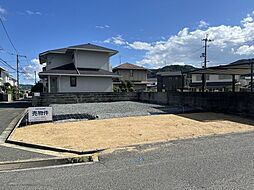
[[133, 73], [80, 68]]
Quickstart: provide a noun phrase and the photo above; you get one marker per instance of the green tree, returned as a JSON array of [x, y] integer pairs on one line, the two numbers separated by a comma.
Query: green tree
[[38, 87], [125, 86]]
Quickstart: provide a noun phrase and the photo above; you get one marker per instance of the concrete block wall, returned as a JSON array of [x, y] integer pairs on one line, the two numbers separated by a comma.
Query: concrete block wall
[[71, 98], [226, 102]]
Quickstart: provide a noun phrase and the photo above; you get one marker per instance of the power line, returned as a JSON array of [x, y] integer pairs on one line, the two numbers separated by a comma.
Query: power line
[[8, 36], [7, 64]]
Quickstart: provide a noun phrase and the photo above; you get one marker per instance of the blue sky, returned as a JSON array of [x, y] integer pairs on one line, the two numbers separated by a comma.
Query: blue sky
[[152, 33]]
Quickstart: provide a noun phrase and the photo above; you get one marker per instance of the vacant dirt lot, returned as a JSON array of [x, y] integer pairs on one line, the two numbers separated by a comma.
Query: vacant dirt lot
[[117, 132]]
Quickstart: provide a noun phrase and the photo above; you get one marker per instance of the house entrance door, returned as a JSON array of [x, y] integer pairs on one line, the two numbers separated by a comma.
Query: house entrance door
[[53, 84]]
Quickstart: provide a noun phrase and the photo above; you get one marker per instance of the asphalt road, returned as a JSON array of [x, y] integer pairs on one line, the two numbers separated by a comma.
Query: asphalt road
[[14, 154], [223, 162], [8, 111]]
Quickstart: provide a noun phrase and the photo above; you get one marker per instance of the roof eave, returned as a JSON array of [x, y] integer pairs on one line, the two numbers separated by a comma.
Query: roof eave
[[82, 75]]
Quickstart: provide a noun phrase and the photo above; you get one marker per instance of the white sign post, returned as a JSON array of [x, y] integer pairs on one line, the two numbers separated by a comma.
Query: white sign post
[[37, 114]]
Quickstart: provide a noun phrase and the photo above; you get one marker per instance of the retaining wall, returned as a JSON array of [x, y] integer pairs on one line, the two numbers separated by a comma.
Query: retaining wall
[[71, 98], [227, 102]]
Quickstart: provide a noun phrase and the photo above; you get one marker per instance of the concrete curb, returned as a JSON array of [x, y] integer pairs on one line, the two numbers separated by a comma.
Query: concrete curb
[[52, 148], [35, 163], [41, 162], [15, 123], [11, 127]]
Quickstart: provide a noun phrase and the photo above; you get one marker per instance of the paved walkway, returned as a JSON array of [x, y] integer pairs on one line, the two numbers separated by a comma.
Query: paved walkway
[[8, 111]]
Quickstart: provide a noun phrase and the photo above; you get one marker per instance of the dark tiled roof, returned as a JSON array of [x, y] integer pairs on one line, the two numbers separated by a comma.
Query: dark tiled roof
[[87, 47], [91, 47], [129, 66], [2, 69], [70, 69]]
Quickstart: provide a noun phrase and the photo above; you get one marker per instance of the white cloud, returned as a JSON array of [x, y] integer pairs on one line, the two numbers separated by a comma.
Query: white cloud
[[102, 27], [118, 40], [29, 70], [247, 19], [203, 24], [229, 43], [29, 12], [3, 12], [245, 50], [140, 45]]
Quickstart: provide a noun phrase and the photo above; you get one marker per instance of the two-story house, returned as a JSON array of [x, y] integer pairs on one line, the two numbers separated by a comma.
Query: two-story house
[[214, 82], [133, 73], [3, 76], [80, 68], [12, 81]]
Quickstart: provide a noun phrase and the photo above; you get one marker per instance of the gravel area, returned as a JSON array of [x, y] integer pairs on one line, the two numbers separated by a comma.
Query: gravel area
[[115, 109]]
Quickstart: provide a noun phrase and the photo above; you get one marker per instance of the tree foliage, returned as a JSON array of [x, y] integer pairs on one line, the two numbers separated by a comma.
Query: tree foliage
[[125, 86], [38, 87]]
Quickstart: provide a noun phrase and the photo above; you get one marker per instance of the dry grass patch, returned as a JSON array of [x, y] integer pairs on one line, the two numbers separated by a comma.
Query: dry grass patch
[[118, 132]]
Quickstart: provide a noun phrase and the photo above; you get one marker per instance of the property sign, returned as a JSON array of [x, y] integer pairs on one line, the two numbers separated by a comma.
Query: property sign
[[36, 114], [37, 93]]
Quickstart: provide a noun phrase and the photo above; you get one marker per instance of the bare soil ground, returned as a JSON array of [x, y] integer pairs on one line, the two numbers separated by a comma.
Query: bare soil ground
[[119, 132]]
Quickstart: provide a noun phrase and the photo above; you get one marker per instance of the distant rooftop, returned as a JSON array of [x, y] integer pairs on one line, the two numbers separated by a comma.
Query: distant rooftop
[[2, 69], [170, 73], [129, 66]]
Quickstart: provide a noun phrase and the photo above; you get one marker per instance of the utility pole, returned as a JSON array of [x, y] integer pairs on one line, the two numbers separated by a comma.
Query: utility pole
[[17, 55], [18, 76], [204, 55]]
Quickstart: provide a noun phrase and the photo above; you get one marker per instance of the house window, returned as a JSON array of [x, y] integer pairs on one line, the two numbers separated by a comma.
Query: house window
[[131, 73], [199, 77], [221, 77], [73, 81]]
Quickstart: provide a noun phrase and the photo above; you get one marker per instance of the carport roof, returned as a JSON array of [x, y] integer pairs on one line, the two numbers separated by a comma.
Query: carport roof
[[241, 67]]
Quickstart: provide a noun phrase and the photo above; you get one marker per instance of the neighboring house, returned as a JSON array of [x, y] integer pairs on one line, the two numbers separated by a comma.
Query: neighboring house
[[12, 81], [80, 68], [4, 76], [214, 82], [151, 84], [134, 73], [170, 81]]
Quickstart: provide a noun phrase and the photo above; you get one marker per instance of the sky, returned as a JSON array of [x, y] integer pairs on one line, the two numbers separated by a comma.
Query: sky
[[150, 33]]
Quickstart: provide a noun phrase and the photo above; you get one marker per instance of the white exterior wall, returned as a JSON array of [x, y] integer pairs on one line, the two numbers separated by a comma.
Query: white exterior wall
[[13, 82], [89, 59], [4, 78], [85, 84], [213, 78], [56, 60]]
